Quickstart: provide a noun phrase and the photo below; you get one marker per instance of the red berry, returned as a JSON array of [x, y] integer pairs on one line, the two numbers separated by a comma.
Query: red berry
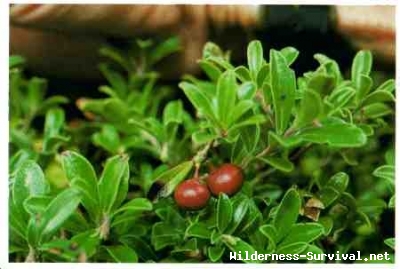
[[192, 194], [228, 179]]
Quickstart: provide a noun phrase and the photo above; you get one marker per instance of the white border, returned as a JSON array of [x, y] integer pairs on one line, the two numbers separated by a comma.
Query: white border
[[4, 29]]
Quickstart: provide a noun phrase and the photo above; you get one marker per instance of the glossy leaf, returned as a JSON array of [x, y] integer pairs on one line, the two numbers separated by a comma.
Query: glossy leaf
[[287, 213], [378, 97], [362, 65], [226, 95], [376, 110], [242, 73], [107, 138], [280, 163], [199, 100], [135, 205], [212, 71], [255, 57], [246, 90], [122, 254], [113, 178], [310, 108], [303, 232], [199, 230], [224, 212], [290, 54], [386, 172], [58, 211], [388, 85], [283, 85], [173, 177], [29, 182], [215, 253], [335, 134]]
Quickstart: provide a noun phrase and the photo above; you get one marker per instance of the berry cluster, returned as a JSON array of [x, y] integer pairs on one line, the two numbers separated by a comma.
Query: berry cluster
[[193, 194]]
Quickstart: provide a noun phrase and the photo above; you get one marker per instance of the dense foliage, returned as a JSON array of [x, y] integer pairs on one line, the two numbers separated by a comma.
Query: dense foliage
[[317, 152]]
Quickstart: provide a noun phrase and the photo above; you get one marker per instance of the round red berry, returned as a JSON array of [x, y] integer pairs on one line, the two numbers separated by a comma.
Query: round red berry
[[228, 179], [192, 194]]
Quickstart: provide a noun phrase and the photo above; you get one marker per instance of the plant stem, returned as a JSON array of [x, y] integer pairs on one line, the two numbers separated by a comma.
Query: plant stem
[[31, 255], [264, 152]]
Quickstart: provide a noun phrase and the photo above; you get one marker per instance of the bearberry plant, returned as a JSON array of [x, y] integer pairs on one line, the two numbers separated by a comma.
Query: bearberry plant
[[243, 158]]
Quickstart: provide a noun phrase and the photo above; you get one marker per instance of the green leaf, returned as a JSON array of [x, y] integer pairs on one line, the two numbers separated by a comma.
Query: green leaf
[[54, 123], [239, 110], [122, 254], [236, 244], [362, 65], [253, 120], [117, 80], [376, 110], [389, 86], [293, 248], [321, 83], [82, 176], [339, 182], [173, 113], [164, 235], [246, 90], [51, 102], [263, 75], [240, 209], [164, 49], [363, 87], [135, 205], [142, 248], [173, 177], [226, 96], [202, 137], [58, 211], [189, 246], [215, 253], [224, 212], [199, 100], [211, 49], [331, 67], [199, 230], [33, 232], [335, 134], [287, 213], [341, 97], [271, 233], [15, 61], [242, 73], [290, 54], [29, 182], [390, 242], [212, 71], [307, 112], [392, 202], [114, 176], [107, 138], [280, 163], [283, 84], [255, 58], [36, 204], [378, 97], [385, 171], [303, 232], [286, 142]]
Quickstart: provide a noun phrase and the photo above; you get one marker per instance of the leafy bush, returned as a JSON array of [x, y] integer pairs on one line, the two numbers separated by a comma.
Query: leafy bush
[[316, 151]]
